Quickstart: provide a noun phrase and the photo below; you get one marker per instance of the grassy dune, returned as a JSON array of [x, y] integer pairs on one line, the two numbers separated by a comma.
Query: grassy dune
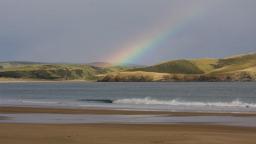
[[203, 66], [235, 68], [39, 71], [49, 72], [178, 67], [206, 65], [235, 64]]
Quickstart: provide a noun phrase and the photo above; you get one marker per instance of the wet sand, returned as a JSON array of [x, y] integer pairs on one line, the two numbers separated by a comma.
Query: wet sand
[[11, 133], [3, 118], [99, 111]]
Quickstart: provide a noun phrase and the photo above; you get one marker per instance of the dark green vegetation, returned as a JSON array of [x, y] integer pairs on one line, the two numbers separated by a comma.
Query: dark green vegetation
[[40, 71], [51, 71], [177, 66], [236, 68], [47, 71]]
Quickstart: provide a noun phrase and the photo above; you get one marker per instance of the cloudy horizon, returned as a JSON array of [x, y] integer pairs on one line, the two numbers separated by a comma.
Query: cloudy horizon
[[83, 31]]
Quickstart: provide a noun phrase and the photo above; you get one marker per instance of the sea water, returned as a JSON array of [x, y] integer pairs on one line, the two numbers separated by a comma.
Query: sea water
[[180, 96], [127, 119]]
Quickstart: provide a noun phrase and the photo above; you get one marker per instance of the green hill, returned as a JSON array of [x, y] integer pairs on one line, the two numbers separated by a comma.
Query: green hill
[[206, 64], [236, 63], [49, 72], [235, 68], [56, 71], [178, 66], [42, 71], [203, 66]]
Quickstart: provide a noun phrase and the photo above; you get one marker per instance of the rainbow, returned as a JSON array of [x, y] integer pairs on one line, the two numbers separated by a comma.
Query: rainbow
[[134, 50]]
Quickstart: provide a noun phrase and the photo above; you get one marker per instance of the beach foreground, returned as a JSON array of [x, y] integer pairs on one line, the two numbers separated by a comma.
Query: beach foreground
[[115, 133], [124, 134]]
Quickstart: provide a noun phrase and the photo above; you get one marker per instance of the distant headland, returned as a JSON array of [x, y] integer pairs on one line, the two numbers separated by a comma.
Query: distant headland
[[234, 68]]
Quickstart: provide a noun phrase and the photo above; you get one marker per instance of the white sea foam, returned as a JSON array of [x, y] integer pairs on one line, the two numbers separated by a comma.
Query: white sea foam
[[175, 102], [39, 102]]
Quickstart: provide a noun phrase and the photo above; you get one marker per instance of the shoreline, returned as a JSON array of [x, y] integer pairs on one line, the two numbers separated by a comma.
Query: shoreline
[[11, 80], [116, 133], [100, 111], [14, 80]]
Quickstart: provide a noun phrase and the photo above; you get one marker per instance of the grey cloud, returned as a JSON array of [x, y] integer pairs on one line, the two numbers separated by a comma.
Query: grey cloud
[[91, 30]]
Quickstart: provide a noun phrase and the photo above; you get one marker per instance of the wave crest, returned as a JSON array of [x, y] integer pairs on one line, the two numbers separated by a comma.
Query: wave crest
[[175, 102]]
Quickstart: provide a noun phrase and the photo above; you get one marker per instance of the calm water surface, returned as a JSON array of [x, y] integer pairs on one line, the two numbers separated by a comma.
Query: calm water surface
[[190, 96]]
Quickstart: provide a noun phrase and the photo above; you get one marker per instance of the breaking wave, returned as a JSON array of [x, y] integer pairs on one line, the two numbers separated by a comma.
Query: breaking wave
[[175, 102], [39, 102]]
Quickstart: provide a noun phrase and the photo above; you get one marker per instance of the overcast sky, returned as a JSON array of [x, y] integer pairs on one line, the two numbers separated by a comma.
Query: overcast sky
[[81, 31]]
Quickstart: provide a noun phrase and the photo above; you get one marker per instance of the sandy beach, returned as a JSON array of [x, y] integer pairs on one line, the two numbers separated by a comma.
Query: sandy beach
[[11, 133], [124, 134], [127, 72]]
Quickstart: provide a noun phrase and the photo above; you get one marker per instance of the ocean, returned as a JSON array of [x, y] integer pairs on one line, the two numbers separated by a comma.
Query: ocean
[[179, 96]]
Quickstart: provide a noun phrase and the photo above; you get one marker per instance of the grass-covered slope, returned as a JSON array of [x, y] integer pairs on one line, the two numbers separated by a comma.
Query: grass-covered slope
[[203, 66], [49, 72], [236, 68], [234, 64], [178, 67], [206, 64]]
